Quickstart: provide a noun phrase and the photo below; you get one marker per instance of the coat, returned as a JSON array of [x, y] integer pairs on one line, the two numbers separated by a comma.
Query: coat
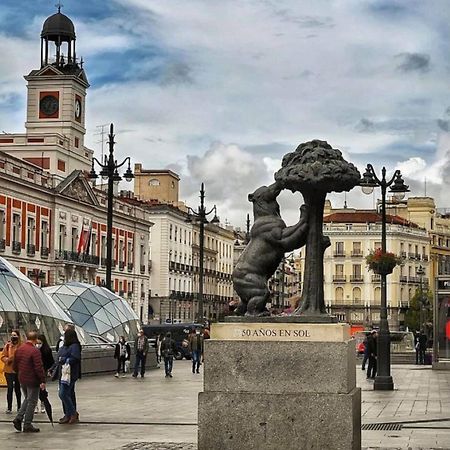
[[196, 342], [28, 365], [7, 356], [117, 351], [145, 345], [71, 355], [47, 357], [168, 347], [372, 345]]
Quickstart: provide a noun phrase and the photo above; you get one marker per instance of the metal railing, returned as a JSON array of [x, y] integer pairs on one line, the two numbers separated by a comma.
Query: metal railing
[[16, 247]]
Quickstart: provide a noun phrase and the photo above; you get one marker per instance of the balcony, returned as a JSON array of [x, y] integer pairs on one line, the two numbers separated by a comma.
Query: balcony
[[31, 249], [414, 280], [403, 254], [74, 257], [103, 262], [142, 268], [357, 254], [121, 293], [130, 267], [425, 257], [121, 265], [44, 252], [356, 279], [130, 294], [2, 245], [376, 278], [403, 279], [16, 247], [339, 254], [339, 278]]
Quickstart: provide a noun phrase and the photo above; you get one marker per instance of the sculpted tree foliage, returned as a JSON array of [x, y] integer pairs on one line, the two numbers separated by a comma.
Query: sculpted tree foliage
[[314, 169]]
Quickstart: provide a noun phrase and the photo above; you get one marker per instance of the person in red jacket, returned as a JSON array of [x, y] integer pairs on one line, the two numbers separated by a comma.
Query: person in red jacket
[[28, 365]]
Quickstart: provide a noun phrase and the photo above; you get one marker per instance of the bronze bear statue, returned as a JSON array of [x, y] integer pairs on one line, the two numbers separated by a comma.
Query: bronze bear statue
[[270, 239]]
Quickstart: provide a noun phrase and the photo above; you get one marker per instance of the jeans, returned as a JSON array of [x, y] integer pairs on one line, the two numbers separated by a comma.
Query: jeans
[[26, 411], [12, 380], [140, 360], [195, 360], [420, 356], [168, 364], [65, 393], [121, 364], [372, 369]]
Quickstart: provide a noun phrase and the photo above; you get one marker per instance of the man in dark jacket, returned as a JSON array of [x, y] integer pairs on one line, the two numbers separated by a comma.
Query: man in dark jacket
[[168, 349], [196, 341], [141, 350], [28, 365], [372, 351], [422, 347]]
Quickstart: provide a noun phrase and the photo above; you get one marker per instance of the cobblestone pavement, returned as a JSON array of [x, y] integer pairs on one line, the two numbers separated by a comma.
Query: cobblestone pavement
[[158, 446]]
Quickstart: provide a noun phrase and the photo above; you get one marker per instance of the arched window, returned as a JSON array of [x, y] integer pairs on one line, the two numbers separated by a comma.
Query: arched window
[[377, 296], [339, 295], [154, 182], [357, 296]]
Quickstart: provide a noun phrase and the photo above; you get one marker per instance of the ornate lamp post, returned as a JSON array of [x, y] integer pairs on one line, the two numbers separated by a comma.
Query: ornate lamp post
[[383, 379], [109, 171], [201, 216]]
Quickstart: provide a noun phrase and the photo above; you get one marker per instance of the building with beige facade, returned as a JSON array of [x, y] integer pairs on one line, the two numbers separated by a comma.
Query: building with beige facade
[[160, 185], [352, 292]]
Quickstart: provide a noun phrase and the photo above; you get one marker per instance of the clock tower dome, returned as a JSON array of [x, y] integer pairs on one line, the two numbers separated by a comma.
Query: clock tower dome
[[56, 97]]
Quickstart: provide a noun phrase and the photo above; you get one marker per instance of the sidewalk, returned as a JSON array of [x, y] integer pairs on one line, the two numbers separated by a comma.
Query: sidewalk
[[150, 413]]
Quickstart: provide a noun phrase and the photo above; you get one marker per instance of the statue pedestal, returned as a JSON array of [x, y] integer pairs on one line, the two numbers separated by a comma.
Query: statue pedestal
[[279, 386]]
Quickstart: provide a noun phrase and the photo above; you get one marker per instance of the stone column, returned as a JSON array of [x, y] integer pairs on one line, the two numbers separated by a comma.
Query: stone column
[[279, 386]]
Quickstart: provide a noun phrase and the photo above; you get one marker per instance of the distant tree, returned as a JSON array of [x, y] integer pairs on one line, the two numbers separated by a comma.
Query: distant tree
[[412, 315], [314, 169]]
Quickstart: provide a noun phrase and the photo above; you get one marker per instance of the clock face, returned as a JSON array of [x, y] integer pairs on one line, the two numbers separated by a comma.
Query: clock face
[[77, 108], [49, 105]]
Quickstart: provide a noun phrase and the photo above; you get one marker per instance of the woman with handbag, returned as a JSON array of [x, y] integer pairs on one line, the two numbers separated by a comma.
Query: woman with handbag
[[12, 380], [69, 368], [122, 353]]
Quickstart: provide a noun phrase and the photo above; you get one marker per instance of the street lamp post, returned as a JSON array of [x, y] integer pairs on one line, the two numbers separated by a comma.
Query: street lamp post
[[109, 171], [383, 379], [421, 272], [201, 216]]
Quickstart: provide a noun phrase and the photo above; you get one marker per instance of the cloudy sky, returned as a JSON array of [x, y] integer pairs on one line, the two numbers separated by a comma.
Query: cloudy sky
[[219, 91]]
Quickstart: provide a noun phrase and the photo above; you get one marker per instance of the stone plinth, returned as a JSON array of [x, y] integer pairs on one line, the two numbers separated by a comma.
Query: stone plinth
[[279, 387]]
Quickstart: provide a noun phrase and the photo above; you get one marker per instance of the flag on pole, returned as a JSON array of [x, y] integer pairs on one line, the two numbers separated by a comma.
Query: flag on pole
[[85, 237]]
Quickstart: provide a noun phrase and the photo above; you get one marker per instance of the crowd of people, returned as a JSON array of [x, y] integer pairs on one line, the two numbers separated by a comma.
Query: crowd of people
[[27, 365]]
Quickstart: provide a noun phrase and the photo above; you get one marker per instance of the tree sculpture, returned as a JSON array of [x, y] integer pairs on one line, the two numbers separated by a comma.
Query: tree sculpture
[[314, 169]]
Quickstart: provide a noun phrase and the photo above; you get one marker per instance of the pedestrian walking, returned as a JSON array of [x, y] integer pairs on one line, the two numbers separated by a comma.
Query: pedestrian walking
[[196, 343], [168, 349], [28, 365], [159, 339], [372, 350], [141, 350], [422, 342], [365, 353], [47, 361], [12, 380], [122, 353], [68, 369]]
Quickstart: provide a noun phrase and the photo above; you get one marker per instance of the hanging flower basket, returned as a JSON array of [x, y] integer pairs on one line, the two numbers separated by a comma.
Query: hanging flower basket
[[382, 263]]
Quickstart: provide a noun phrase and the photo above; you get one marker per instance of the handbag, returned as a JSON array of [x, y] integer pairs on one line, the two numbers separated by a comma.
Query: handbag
[[65, 373], [127, 366]]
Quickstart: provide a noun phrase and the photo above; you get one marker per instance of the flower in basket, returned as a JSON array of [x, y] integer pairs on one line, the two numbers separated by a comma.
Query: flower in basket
[[382, 263]]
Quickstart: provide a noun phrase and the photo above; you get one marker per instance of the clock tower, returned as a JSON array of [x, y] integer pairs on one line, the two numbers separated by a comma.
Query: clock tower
[[56, 99]]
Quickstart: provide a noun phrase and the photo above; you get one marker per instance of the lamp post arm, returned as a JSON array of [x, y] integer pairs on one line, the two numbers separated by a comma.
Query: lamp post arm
[[209, 212], [117, 166], [98, 162], [396, 173]]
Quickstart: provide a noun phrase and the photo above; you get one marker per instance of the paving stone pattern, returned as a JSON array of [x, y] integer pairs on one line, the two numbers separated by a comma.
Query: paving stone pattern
[[158, 446]]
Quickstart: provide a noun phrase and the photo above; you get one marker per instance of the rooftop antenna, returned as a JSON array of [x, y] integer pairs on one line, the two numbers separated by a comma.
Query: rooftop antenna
[[425, 186], [345, 200], [103, 134]]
